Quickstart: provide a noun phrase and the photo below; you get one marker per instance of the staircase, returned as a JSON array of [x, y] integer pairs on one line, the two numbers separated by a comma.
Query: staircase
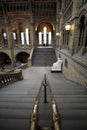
[[17, 100], [44, 56]]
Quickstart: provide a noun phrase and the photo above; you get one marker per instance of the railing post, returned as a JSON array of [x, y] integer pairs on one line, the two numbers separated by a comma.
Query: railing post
[[45, 94], [45, 89]]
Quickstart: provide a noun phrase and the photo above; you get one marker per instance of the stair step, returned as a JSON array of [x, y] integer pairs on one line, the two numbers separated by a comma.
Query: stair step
[[44, 57]]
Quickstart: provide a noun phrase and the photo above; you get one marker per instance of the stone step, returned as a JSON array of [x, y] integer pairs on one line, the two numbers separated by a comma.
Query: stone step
[[44, 57], [17, 100]]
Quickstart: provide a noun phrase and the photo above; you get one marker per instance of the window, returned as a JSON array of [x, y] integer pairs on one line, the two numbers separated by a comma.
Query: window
[[49, 38], [81, 30], [22, 38], [14, 36], [45, 35], [40, 38], [27, 36], [5, 36]]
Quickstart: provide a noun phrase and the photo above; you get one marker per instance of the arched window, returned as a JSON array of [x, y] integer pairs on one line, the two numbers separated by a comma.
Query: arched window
[[14, 36], [4, 34], [45, 35], [49, 38], [40, 38], [81, 30], [22, 38], [27, 36]]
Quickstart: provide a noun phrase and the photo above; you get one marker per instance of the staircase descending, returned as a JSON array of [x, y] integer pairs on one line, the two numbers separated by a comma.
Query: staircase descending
[[17, 100], [44, 56]]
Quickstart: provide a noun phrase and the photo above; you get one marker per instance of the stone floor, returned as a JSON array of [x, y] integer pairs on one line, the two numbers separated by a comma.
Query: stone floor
[[17, 100]]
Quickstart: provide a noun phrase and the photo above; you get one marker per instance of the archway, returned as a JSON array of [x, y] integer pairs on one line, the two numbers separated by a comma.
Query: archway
[[21, 58], [44, 33], [4, 59]]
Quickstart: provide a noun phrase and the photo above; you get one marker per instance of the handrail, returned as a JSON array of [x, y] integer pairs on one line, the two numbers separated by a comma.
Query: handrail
[[56, 116], [30, 57], [35, 116], [7, 78]]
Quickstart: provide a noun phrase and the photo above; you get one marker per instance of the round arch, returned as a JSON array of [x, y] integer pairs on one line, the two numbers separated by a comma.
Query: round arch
[[82, 21], [4, 59], [44, 32], [22, 57], [44, 22]]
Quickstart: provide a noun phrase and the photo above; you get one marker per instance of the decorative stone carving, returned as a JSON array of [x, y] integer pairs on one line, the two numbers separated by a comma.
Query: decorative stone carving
[[57, 66]]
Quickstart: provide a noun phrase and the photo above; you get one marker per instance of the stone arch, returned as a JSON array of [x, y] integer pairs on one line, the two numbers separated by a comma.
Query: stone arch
[[4, 59], [19, 26], [82, 22], [22, 57], [50, 30], [16, 21], [44, 21]]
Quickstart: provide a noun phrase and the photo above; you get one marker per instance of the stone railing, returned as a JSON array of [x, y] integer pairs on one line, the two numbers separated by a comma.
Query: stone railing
[[10, 77], [30, 57]]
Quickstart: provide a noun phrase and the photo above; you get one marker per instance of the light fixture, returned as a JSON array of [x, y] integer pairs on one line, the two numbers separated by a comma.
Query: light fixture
[[57, 34], [67, 26]]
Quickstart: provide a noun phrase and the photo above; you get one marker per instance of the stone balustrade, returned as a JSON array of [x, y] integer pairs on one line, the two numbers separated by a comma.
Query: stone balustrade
[[7, 78]]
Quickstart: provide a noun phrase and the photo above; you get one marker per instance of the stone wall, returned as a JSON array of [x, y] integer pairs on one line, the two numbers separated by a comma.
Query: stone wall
[[73, 70]]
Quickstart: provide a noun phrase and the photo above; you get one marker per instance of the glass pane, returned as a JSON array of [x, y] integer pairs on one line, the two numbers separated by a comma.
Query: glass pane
[[14, 36], [45, 35], [40, 38], [5, 36], [22, 38], [49, 38], [27, 36]]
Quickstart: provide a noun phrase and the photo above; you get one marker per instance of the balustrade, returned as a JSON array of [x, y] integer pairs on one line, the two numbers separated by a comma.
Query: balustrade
[[7, 78], [35, 119]]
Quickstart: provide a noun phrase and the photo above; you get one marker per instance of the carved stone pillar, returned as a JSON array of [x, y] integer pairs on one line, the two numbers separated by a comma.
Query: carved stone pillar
[[11, 45], [18, 37]]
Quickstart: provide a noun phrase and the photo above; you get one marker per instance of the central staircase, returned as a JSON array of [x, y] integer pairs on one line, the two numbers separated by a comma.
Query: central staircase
[[44, 56], [17, 101]]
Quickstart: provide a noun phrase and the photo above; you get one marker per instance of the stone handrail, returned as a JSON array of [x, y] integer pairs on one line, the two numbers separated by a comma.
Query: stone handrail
[[30, 57], [7, 78]]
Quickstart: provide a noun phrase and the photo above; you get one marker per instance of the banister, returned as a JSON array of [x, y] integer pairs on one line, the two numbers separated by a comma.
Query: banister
[[7, 78], [55, 114], [34, 115]]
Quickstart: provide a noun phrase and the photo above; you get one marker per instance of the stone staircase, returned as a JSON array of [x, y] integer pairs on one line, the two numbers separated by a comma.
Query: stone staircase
[[44, 56], [17, 100]]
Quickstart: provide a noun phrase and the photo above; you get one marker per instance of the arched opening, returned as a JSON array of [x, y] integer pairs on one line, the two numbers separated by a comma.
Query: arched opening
[[21, 58], [20, 34], [14, 36], [4, 59], [44, 33], [4, 36], [81, 30]]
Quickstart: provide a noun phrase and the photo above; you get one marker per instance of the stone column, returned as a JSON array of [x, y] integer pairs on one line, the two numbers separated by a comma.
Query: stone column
[[74, 27], [58, 10], [11, 46], [32, 35], [1, 39], [18, 37], [24, 37]]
